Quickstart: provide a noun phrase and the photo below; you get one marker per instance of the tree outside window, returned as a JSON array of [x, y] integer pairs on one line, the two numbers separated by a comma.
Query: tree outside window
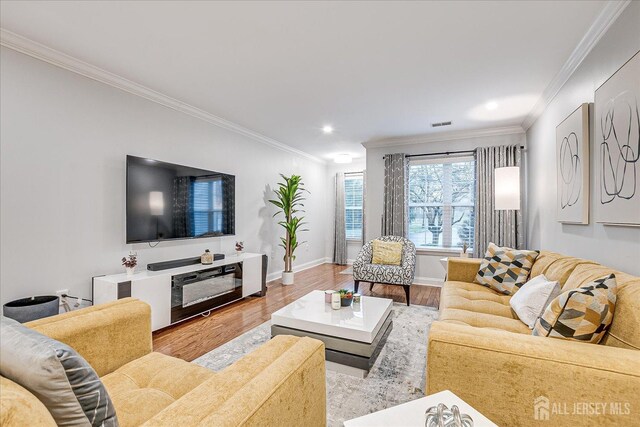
[[441, 202]]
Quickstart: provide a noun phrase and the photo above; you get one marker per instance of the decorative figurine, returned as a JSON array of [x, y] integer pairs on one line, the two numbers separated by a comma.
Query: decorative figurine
[[441, 416]]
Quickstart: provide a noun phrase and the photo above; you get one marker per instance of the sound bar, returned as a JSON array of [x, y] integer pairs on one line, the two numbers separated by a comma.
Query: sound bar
[[165, 265]]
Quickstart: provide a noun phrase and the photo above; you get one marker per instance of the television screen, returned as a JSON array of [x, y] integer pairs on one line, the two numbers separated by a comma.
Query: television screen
[[167, 201]]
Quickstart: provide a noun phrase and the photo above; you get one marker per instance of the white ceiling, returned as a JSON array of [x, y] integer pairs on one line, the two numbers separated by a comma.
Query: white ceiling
[[371, 69]]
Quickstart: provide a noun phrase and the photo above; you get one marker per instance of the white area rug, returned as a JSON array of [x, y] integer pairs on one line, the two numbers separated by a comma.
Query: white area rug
[[398, 375]]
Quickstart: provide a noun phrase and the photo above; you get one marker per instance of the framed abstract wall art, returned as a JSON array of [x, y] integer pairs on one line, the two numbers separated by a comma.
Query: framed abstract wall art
[[572, 160], [617, 147]]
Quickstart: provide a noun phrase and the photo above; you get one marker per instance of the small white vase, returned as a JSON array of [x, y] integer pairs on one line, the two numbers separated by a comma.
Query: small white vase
[[130, 271], [287, 278]]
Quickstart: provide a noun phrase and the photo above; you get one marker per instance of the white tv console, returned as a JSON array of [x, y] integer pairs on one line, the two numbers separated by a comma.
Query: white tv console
[[179, 293]]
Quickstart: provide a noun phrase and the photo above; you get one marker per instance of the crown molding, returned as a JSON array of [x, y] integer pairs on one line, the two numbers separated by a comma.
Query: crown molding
[[607, 16], [443, 136], [44, 53]]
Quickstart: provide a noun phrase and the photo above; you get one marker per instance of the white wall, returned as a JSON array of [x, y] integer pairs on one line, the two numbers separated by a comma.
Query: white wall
[[617, 247], [64, 139], [428, 267], [353, 247]]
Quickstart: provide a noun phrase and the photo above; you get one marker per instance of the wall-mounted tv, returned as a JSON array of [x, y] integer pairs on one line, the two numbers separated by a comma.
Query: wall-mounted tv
[[170, 202]]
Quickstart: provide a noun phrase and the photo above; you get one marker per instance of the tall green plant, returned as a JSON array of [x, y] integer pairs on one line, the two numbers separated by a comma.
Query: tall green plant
[[289, 200]]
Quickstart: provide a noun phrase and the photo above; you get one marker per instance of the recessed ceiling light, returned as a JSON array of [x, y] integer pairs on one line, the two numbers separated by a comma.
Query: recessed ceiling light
[[343, 158], [327, 129], [492, 105]]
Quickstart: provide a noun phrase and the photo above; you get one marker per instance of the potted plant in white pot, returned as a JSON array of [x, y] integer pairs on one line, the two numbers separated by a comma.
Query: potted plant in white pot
[[289, 201], [130, 263]]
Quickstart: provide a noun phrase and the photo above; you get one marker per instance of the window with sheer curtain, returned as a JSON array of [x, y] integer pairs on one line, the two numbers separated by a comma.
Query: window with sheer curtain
[[441, 202], [353, 206]]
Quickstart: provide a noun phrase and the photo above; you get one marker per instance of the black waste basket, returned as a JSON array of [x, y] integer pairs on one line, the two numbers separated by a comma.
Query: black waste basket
[[28, 309]]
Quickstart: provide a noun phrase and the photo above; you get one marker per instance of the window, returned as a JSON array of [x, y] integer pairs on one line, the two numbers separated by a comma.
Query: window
[[207, 206], [353, 206], [441, 202]]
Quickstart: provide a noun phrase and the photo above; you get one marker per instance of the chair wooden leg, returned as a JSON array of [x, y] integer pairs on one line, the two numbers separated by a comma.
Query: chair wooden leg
[[371, 287], [356, 283], [407, 291]]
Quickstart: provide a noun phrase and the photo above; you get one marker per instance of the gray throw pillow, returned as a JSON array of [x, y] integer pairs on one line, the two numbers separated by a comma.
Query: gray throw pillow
[[56, 374]]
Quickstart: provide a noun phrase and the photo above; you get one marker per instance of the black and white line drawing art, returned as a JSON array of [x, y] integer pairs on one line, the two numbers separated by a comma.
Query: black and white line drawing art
[[572, 159], [617, 147]]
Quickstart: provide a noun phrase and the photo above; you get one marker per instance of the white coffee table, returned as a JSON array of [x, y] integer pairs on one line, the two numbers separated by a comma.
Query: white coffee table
[[353, 336], [412, 414]]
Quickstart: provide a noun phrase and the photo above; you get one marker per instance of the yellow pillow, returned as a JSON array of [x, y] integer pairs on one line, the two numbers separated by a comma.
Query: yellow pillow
[[388, 253]]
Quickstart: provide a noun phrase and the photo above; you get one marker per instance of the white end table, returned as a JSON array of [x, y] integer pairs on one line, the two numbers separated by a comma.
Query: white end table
[[412, 414], [444, 262]]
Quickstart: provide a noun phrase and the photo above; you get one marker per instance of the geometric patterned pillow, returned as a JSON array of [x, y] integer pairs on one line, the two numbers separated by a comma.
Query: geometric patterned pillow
[[582, 314], [504, 269]]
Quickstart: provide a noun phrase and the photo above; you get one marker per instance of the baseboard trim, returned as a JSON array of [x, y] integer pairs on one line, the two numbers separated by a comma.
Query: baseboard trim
[[428, 281], [419, 281], [307, 265]]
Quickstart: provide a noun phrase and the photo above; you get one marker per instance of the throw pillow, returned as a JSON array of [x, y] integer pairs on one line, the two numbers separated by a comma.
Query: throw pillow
[[533, 298], [56, 374], [582, 314], [388, 253], [504, 269]]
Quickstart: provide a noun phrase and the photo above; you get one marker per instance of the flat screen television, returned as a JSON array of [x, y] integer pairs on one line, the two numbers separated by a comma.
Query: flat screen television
[[171, 202]]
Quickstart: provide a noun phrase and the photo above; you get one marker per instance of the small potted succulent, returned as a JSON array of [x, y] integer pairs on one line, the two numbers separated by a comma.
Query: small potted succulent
[[130, 263], [346, 296]]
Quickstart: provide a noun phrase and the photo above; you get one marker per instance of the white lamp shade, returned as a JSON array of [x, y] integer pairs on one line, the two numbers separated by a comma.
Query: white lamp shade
[[156, 203], [506, 185]]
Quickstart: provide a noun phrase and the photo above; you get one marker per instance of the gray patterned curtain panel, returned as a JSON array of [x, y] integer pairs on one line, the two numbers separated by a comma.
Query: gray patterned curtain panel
[[340, 237], [394, 215], [504, 227]]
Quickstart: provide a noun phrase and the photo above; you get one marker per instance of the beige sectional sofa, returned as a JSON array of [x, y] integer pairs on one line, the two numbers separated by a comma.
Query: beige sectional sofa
[[282, 381], [481, 351]]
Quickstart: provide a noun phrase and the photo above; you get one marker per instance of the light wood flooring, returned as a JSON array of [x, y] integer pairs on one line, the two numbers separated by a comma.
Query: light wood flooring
[[195, 337]]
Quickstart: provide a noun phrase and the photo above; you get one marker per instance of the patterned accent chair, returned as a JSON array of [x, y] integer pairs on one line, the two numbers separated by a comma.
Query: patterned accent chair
[[403, 274]]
